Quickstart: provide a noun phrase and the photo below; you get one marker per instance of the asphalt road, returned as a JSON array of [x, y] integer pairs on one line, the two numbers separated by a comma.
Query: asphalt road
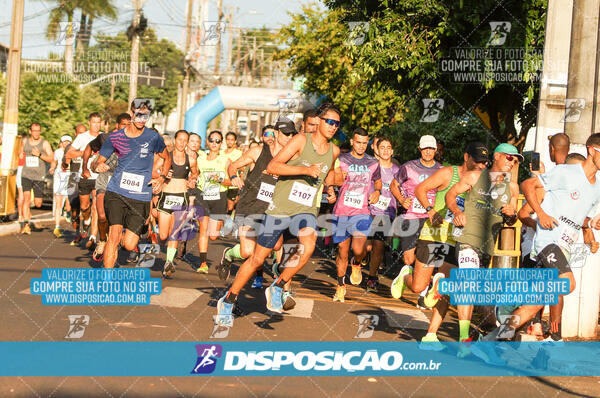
[[185, 314]]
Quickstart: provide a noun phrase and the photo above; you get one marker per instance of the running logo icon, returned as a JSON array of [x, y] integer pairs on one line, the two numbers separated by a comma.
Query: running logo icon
[[357, 33], [67, 30], [77, 324], [207, 358], [573, 109], [211, 32], [499, 33], [366, 325], [432, 108]]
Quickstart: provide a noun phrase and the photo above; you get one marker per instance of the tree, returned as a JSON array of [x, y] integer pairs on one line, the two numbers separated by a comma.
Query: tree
[[64, 12]]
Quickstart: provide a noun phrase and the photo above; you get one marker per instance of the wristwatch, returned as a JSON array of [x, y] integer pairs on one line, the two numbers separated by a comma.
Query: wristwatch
[[428, 208], [233, 176]]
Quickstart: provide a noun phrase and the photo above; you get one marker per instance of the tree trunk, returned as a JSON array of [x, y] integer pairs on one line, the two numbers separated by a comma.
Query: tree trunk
[[88, 32], [69, 39], [80, 37]]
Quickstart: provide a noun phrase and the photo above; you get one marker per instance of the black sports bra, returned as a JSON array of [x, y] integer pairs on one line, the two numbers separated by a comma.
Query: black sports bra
[[181, 171]]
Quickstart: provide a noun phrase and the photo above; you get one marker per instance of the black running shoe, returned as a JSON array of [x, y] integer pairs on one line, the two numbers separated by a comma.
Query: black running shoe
[[224, 268]]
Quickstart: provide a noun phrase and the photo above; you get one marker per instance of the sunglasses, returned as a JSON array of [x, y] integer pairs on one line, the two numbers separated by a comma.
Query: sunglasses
[[510, 158], [595, 149], [269, 134], [332, 122], [214, 140], [141, 116]]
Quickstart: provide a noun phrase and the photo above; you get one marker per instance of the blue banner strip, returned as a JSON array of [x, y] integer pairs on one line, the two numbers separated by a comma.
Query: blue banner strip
[[246, 358]]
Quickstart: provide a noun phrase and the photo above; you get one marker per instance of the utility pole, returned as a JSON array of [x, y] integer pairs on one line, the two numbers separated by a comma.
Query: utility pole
[[218, 49], [238, 57], [229, 40], [186, 79], [135, 50], [13, 75]]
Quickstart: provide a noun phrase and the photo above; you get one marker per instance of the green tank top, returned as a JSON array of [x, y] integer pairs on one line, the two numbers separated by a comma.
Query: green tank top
[[298, 194], [483, 209], [443, 233]]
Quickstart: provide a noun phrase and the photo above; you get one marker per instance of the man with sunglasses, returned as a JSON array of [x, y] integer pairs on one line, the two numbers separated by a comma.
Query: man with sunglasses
[[303, 165], [411, 174], [571, 194], [436, 244], [257, 193], [490, 201], [129, 191], [213, 182]]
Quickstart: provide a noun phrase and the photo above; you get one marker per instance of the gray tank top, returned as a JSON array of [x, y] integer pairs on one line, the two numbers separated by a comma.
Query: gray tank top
[[35, 167]]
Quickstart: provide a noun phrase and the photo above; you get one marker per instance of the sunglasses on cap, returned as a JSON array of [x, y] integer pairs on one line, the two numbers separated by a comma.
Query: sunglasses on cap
[[214, 140], [331, 122], [269, 133]]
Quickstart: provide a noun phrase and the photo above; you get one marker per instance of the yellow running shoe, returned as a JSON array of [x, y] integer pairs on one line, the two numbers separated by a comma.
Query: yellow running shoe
[[340, 292], [356, 275], [57, 232]]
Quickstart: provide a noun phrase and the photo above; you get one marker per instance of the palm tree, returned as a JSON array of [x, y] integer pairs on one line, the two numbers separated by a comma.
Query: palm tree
[[64, 13], [94, 9]]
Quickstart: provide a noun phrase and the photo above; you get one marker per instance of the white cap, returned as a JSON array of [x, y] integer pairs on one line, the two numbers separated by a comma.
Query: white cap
[[427, 141], [66, 138]]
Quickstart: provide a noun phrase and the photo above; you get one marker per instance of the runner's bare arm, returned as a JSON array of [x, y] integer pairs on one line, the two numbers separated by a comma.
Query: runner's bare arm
[[329, 183], [530, 187], [99, 165], [73, 153], [87, 152], [395, 189], [193, 173], [524, 215], [48, 155], [437, 181], [279, 166], [248, 158], [374, 196], [465, 184], [157, 183]]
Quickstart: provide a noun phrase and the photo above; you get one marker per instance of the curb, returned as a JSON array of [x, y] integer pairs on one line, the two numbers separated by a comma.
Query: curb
[[14, 227]]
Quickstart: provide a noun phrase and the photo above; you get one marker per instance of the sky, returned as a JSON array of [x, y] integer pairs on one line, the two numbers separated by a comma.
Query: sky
[[167, 17]]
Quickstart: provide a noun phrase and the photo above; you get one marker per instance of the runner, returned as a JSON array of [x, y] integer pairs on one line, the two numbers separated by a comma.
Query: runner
[[490, 201], [128, 194], [212, 182], [87, 185], [559, 145], [411, 174], [384, 209], [435, 247], [310, 121], [123, 120], [303, 165], [257, 193], [73, 188], [233, 153], [571, 193], [37, 152], [361, 186], [183, 173], [60, 184]]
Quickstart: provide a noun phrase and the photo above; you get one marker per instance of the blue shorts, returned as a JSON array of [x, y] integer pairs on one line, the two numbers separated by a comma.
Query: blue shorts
[[344, 227], [273, 227]]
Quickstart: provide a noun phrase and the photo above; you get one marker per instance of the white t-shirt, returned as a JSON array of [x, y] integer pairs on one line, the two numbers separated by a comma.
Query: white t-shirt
[[80, 143]]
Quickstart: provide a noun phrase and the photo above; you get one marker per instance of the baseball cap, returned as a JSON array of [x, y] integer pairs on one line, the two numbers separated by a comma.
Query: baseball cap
[[66, 138], [509, 150], [478, 151], [286, 126], [427, 141]]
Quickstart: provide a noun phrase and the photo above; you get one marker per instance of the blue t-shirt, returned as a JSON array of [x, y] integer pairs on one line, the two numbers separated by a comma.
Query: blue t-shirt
[[136, 158], [570, 198]]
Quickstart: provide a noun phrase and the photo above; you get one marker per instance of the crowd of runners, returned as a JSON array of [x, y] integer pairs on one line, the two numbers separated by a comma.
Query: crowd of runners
[[295, 188]]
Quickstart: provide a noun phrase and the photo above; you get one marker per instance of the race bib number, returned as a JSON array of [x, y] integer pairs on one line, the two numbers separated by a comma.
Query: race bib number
[[354, 199], [383, 203], [211, 192], [32, 161], [172, 201], [265, 192], [417, 207], [460, 201], [302, 194], [468, 258], [568, 236], [132, 182]]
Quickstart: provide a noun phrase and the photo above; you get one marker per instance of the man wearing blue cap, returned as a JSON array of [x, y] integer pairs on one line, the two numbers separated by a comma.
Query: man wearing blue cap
[[490, 201]]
